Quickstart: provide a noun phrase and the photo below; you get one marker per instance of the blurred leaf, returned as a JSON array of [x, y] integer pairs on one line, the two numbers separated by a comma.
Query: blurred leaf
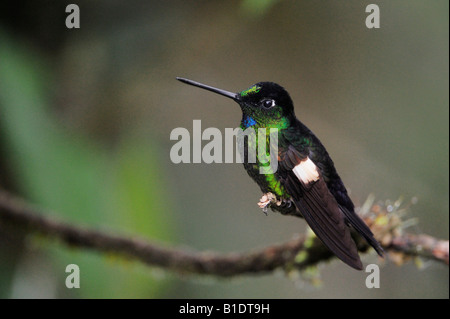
[[140, 190], [256, 8], [73, 176]]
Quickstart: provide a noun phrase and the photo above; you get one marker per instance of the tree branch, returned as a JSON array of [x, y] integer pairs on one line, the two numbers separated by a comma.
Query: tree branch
[[299, 253]]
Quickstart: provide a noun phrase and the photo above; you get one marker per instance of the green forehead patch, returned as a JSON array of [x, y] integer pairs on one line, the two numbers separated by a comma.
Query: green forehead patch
[[253, 90]]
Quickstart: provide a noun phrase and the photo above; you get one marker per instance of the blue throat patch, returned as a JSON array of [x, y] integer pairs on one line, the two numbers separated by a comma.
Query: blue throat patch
[[248, 121]]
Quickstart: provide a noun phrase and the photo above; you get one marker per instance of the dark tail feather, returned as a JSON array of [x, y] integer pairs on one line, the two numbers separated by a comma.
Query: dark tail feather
[[323, 215], [361, 227]]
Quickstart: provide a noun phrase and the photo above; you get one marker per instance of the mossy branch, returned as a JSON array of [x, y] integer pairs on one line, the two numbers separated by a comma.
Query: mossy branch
[[299, 253]]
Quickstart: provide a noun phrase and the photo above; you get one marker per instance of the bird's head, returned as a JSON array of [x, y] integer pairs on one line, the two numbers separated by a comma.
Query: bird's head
[[265, 104]]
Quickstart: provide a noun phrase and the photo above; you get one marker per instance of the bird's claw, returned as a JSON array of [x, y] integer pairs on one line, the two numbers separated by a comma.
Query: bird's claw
[[266, 200]]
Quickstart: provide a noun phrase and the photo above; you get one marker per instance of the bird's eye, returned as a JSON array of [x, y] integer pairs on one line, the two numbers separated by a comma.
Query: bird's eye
[[268, 103]]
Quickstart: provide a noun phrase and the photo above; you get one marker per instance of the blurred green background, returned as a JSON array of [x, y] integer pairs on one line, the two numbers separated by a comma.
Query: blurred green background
[[86, 114]]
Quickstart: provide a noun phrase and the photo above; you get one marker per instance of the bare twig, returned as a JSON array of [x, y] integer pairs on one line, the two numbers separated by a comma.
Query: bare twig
[[422, 245], [16, 214]]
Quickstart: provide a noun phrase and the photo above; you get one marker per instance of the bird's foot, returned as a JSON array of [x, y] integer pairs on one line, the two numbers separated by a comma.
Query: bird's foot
[[266, 200]]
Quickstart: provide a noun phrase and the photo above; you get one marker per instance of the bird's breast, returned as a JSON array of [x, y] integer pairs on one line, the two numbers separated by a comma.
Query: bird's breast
[[259, 162]]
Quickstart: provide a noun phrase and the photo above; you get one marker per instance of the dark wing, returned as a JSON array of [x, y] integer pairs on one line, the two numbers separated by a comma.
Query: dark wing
[[362, 229], [303, 181], [337, 188]]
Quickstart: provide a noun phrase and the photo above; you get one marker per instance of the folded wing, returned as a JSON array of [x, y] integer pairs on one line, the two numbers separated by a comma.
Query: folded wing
[[304, 182]]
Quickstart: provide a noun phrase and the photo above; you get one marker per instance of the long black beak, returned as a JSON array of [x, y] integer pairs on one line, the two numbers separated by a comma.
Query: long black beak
[[231, 95]]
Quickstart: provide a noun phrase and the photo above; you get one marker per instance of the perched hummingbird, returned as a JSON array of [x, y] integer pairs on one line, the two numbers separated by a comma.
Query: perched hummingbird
[[306, 179]]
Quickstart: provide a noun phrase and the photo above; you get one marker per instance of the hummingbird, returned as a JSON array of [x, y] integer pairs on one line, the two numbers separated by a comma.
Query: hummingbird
[[306, 179]]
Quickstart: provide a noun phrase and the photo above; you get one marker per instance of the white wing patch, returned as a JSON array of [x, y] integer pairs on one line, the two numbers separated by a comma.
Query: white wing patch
[[306, 171]]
